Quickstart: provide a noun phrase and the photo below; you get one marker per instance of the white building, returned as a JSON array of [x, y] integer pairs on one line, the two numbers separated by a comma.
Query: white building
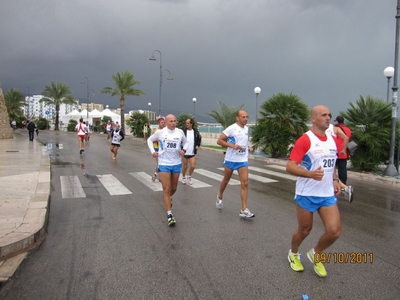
[[35, 109]]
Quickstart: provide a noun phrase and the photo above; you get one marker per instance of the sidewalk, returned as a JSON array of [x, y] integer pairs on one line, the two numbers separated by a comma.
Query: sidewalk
[[25, 196], [24, 199]]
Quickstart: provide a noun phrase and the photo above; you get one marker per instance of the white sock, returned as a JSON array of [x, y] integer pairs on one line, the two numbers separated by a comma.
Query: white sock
[[169, 212]]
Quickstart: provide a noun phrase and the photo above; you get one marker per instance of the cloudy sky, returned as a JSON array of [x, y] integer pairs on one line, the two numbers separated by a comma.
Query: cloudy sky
[[325, 51]]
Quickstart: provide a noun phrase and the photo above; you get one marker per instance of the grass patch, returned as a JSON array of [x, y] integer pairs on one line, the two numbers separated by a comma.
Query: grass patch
[[215, 147]]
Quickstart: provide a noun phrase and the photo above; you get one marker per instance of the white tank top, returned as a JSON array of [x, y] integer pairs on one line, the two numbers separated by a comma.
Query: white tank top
[[116, 137], [320, 154], [169, 146], [237, 136]]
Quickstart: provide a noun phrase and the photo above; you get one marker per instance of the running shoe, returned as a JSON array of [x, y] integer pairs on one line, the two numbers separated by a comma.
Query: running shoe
[[154, 177], [349, 191], [219, 204], [189, 180], [246, 214], [171, 220], [81, 151], [184, 180], [295, 262], [318, 266]]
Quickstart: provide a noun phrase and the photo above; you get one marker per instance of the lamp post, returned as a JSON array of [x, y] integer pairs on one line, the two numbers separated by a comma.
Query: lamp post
[[388, 72], [257, 90], [152, 58], [149, 105], [159, 92], [194, 107], [391, 169], [87, 96]]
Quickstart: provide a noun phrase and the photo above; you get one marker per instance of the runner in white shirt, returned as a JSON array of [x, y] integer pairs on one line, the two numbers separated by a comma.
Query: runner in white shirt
[[169, 156], [236, 138], [81, 129], [116, 137]]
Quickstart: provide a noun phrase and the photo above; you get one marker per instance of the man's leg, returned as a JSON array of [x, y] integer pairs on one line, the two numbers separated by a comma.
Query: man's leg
[[227, 176], [305, 223], [244, 185], [166, 179], [331, 218], [184, 167], [342, 170], [192, 162]]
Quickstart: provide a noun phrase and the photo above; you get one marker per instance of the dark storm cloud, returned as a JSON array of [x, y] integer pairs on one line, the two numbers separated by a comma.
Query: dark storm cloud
[[327, 52]]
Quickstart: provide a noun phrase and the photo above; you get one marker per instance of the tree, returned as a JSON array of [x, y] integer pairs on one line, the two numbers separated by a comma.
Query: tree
[[56, 94], [124, 87], [226, 116], [181, 121], [14, 101], [284, 119], [370, 120], [136, 122]]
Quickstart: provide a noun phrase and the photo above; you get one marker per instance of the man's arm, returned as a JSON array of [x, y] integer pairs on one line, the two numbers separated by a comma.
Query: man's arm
[[293, 168]]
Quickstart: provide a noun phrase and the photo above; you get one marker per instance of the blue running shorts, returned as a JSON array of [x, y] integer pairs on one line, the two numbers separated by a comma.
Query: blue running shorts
[[235, 165], [312, 204], [170, 169]]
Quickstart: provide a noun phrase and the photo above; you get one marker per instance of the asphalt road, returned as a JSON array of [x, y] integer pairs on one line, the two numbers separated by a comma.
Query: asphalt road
[[103, 246]]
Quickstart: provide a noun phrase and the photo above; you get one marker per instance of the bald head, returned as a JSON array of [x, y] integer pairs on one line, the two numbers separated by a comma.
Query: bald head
[[170, 122], [320, 118]]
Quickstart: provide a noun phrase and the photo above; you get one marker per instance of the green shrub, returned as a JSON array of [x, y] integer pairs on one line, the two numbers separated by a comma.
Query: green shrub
[[71, 125]]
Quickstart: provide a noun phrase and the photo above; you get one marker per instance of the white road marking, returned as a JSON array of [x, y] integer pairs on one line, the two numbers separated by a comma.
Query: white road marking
[[215, 176], [113, 185], [71, 187], [282, 175], [146, 180]]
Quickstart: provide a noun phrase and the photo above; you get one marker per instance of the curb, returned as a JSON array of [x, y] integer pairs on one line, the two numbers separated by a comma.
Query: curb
[[32, 230]]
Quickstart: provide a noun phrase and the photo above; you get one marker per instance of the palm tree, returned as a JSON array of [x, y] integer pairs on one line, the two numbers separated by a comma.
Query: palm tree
[[56, 94], [14, 101], [284, 120], [124, 87], [370, 120], [226, 116]]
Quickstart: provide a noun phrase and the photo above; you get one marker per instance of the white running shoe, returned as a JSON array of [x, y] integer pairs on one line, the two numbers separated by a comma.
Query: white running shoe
[[219, 204], [246, 214], [189, 180], [184, 180], [349, 191]]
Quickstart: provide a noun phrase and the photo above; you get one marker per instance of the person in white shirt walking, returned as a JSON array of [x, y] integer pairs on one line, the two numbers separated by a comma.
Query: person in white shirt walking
[[116, 137], [235, 138], [194, 141], [169, 156]]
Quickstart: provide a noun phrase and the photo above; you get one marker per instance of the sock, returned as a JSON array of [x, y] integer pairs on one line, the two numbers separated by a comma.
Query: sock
[[169, 212], [291, 253]]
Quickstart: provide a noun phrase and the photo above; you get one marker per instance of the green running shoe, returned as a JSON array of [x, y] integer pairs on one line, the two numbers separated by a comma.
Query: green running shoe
[[295, 262], [318, 266], [171, 220]]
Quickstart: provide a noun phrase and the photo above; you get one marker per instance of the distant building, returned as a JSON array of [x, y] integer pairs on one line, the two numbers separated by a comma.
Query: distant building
[[92, 106], [36, 109]]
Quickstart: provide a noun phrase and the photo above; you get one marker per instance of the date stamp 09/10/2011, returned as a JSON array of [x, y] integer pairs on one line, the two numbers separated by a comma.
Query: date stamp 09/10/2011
[[344, 258]]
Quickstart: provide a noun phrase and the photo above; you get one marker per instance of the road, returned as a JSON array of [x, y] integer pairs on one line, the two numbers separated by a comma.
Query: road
[[101, 245]]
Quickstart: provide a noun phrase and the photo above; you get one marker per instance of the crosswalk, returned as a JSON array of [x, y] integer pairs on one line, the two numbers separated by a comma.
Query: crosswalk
[[71, 186]]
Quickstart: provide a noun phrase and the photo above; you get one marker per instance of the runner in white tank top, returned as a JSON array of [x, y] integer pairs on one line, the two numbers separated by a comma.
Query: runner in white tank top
[[313, 160]]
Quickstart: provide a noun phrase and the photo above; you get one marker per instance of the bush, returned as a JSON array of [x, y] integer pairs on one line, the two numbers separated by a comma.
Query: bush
[[42, 124], [71, 125]]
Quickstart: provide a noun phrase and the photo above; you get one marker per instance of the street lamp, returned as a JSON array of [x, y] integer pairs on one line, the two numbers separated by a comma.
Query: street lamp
[[194, 106], [152, 58], [388, 72], [159, 92], [149, 105], [391, 169], [87, 96], [257, 90]]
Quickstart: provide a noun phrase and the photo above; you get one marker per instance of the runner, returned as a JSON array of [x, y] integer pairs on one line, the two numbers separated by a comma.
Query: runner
[[169, 155], [81, 130], [107, 128], [313, 160], [161, 125], [194, 141], [235, 138], [116, 136]]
